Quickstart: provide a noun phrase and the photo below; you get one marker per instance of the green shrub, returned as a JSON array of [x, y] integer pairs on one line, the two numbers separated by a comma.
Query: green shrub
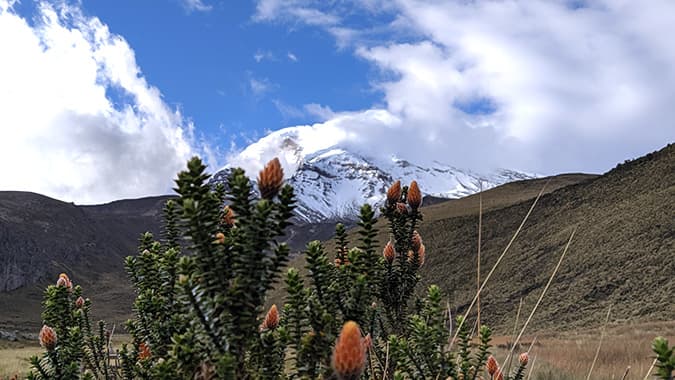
[[74, 349]]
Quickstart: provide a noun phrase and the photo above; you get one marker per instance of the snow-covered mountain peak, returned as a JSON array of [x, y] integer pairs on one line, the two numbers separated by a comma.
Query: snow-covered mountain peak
[[332, 181], [291, 145]]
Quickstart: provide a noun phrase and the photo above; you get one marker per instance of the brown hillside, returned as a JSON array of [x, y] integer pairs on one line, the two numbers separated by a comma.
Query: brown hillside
[[622, 253]]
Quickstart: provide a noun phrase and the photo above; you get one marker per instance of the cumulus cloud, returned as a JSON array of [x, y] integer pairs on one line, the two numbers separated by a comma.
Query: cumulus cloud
[[543, 86], [290, 145], [79, 122]]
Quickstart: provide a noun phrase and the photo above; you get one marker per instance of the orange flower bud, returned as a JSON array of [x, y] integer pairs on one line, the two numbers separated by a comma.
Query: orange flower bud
[[220, 238], [79, 302], [394, 193], [401, 208], [349, 354], [420, 255], [271, 319], [64, 281], [491, 365], [270, 179], [389, 252], [416, 240], [47, 338], [144, 351], [523, 359], [414, 196], [228, 217]]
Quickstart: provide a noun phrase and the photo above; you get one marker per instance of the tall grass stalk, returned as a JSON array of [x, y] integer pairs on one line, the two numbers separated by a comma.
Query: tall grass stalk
[[651, 368], [541, 297], [480, 230], [529, 374], [602, 337], [625, 374], [499, 260], [513, 335]]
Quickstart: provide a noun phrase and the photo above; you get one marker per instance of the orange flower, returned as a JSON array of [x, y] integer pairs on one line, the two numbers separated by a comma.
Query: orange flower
[[271, 319], [416, 240], [389, 252], [523, 359], [79, 302], [394, 193], [144, 351], [491, 365], [270, 179], [414, 196], [420, 255], [64, 281], [220, 238], [401, 208], [228, 217], [499, 375], [349, 355], [47, 338]]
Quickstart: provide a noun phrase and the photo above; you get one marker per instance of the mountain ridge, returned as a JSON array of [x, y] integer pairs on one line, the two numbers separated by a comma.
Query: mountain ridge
[[332, 181]]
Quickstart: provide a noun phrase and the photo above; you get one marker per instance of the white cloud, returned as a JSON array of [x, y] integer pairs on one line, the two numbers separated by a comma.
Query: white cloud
[[288, 111], [196, 5], [79, 122], [561, 88], [311, 139], [260, 86], [322, 112], [304, 11], [292, 57]]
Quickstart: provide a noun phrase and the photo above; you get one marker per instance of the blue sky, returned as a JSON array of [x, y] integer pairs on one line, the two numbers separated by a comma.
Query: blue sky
[[104, 100], [233, 76]]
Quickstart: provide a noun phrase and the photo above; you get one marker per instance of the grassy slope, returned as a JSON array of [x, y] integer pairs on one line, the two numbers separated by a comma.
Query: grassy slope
[[623, 252]]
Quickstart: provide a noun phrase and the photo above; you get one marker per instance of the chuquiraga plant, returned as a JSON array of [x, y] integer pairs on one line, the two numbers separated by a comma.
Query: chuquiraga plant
[[197, 315], [201, 292], [74, 349], [160, 314]]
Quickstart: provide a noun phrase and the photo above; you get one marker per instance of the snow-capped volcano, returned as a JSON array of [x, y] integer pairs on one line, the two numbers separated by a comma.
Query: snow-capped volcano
[[332, 182]]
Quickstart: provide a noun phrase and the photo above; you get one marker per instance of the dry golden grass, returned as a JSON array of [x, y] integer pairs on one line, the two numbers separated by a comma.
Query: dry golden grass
[[14, 357], [569, 356]]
